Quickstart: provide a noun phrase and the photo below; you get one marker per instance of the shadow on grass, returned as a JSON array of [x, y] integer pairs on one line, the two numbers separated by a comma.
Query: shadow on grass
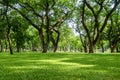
[[61, 67]]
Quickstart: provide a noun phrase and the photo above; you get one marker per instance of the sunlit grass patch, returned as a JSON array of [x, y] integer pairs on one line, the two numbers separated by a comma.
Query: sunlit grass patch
[[59, 66]]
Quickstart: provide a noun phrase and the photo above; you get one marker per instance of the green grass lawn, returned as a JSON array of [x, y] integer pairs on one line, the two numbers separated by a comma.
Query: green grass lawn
[[37, 66]]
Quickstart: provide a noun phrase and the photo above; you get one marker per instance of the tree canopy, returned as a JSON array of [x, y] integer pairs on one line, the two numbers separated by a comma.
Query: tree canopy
[[59, 25]]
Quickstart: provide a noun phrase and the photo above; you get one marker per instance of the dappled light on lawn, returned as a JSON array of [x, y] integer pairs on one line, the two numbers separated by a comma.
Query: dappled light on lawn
[[48, 64], [60, 67], [27, 67]]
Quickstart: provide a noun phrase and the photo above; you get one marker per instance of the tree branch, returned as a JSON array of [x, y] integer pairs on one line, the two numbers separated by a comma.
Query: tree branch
[[24, 16], [61, 20], [101, 7], [53, 3], [109, 14], [88, 5], [34, 12]]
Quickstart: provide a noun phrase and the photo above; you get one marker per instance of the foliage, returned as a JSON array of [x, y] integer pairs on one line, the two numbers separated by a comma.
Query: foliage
[[55, 21]]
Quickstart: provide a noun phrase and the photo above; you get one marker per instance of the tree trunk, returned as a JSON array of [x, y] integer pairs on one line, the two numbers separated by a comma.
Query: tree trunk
[[117, 50], [18, 48], [102, 48], [84, 44], [6, 45], [9, 42], [43, 44], [45, 49], [85, 49], [9, 27], [112, 47], [91, 48], [8, 35], [55, 47], [1, 46], [113, 44], [55, 42]]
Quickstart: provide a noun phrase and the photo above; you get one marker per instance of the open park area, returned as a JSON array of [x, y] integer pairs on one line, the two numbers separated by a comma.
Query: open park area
[[59, 66], [59, 39]]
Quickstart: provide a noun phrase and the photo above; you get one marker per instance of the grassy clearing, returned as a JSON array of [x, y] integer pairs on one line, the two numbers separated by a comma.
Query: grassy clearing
[[36, 66]]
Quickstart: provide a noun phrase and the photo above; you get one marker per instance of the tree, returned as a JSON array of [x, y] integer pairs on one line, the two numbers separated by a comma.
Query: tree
[[76, 24], [2, 34], [7, 19], [113, 32], [44, 17], [32, 39], [96, 8], [19, 30]]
